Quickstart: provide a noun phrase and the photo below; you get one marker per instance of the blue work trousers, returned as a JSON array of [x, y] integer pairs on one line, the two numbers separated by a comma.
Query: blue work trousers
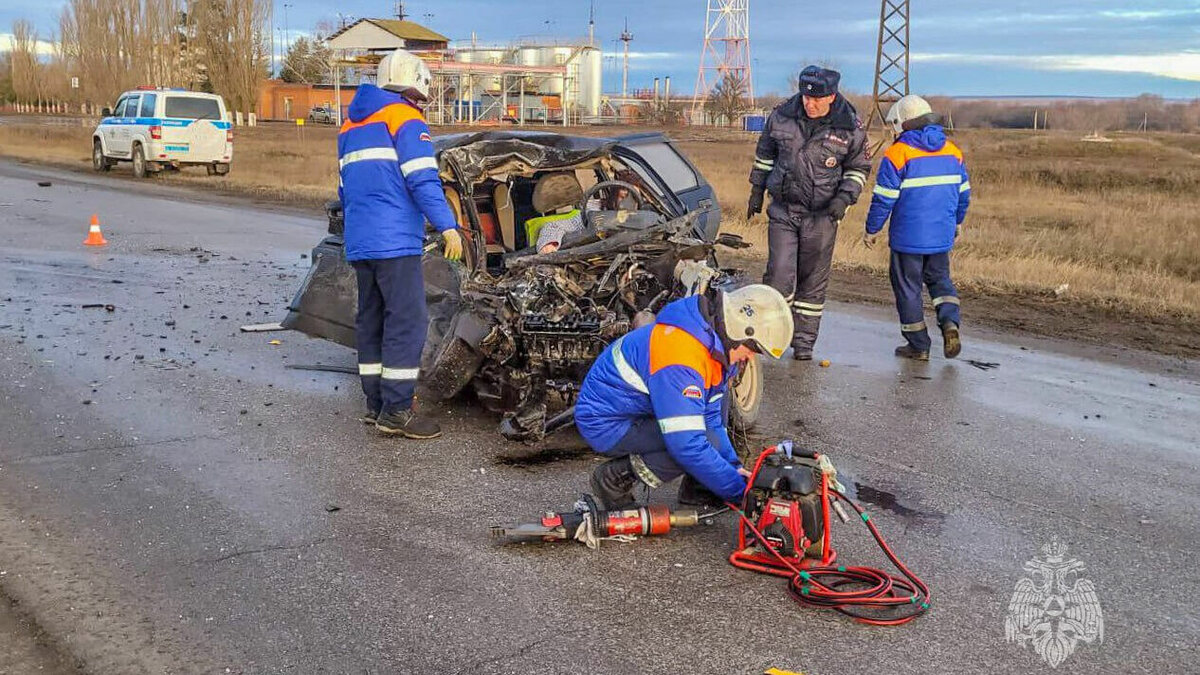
[[910, 274], [390, 330], [644, 442]]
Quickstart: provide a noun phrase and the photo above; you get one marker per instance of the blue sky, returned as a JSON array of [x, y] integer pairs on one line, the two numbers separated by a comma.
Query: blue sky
[[1001, 47]]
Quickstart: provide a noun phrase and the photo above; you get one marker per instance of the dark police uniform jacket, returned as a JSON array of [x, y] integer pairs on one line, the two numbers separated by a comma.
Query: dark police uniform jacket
[[805, 163]]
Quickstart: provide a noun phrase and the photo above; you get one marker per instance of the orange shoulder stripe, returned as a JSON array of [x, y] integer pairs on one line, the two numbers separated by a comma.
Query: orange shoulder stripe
[[900, 153], [671, 346], [394, 116]]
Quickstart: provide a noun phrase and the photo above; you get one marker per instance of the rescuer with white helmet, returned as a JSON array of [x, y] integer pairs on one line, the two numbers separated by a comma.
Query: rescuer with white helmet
[[924, 190], [389, 186], [654, 399]]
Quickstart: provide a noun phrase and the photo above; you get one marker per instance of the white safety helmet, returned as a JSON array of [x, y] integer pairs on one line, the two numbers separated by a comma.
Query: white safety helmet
[[910, 112], [405, 74], [758, 314]]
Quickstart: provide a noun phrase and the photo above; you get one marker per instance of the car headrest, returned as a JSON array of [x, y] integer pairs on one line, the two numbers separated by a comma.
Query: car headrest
[[555, 191]]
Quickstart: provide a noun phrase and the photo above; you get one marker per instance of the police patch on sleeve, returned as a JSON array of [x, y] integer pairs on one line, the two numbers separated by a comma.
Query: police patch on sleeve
[[692, 391], [831, 162], [426, 137]]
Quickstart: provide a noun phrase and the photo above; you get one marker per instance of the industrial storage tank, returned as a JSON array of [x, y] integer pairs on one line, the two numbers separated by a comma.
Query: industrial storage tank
[[590, 83], [488, 83]]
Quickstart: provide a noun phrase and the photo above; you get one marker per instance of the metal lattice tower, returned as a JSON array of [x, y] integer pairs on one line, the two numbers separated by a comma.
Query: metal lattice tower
[[726, 49], [891, 63]]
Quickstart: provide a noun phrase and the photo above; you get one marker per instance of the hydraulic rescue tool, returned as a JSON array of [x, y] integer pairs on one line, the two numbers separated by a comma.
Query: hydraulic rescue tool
[[783, 530], [589, 525]]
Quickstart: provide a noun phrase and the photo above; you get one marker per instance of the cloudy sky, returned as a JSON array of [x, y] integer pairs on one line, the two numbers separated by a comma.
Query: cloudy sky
[[999, 47]]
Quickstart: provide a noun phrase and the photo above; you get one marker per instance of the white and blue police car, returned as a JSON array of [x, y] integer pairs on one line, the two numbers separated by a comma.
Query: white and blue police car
[[156, 128]]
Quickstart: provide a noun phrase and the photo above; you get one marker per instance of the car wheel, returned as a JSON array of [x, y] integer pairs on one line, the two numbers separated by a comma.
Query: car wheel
[[745, 396], [454, 362], [139, 161], [99, 161], [221, 168]]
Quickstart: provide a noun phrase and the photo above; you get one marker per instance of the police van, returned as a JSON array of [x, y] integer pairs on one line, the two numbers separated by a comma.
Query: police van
[[158, 128]]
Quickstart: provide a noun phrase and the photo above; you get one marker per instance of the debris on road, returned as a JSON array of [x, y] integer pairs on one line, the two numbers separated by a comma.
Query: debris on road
[[99, 305], [261, 327], [44, 183], [321, 367], [983, 365], [824, 363], [275, 342]]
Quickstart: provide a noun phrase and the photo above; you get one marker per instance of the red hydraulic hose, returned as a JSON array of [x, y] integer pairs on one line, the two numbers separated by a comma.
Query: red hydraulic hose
[[866, 594]]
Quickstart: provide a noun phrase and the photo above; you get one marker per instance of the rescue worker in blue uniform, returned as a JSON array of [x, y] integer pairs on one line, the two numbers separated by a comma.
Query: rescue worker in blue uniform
[[924, 189], [389, 187], [812, 159], [653, 400]]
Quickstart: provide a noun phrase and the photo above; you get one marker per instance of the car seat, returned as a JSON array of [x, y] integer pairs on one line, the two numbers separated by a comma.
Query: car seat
[[552, 193]]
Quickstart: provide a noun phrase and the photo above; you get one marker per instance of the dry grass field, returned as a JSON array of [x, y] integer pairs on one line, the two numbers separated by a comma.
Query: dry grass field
[[1117, 223]]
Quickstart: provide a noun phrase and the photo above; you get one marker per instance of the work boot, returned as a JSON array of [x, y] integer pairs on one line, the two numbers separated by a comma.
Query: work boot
[[951, 344], [613, 483], [408, 424], [693, 493], [801, 353], [369, 417], [908, 351]]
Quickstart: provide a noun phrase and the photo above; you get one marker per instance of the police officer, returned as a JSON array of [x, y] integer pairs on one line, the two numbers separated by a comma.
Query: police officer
[[924, 188], [812, 159], [653, 401], [389, 187]]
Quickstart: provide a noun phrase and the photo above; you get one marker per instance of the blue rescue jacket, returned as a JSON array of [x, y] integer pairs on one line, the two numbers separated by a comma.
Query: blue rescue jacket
[[388, 177], [673, 371], [923, 185]]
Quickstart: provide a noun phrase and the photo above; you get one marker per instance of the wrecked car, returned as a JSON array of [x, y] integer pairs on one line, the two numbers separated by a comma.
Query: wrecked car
[[516, 324]]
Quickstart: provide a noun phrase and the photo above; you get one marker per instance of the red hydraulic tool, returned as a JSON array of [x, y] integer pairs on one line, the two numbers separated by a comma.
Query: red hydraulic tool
[[588, 524]]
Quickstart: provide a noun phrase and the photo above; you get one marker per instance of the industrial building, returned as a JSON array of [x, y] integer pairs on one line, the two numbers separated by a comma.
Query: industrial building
[[547, 82]]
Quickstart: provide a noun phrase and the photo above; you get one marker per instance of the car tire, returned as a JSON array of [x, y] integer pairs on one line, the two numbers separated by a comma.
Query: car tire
[[222, 168], [139, 161], [99, 161], [454, 362], [745, 396]]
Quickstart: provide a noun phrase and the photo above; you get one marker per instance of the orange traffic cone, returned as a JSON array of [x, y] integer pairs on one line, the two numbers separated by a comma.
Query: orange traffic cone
[[95, 237]]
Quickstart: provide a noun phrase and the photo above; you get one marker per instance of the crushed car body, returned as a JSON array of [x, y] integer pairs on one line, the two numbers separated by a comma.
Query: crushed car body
[[519, 325]]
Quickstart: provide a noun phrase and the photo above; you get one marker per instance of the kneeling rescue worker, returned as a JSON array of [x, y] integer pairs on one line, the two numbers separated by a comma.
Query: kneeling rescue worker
[[389, 186], [653, 401], [924, 188]]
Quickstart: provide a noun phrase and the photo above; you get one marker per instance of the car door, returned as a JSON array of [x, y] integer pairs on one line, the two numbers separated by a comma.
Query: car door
[[109, 126], [680, 178], [123, 136]]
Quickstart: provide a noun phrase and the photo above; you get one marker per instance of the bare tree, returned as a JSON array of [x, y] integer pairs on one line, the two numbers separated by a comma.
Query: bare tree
[[728, 99], [231, 44], [307, 60], [23, 60]]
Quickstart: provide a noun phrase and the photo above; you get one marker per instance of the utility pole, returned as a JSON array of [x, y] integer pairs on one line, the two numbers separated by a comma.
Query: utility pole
[[592, 24], [891, 64], [726, 50], [626, 37], [286, 34], [400, 13]]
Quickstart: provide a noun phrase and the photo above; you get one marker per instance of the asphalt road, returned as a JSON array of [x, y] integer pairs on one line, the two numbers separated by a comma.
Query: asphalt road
[[172, 499]]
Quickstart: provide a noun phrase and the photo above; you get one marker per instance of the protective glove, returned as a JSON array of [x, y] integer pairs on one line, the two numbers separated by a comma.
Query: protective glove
[[837, 209], [454, 244], [756, 201], [870, 239]]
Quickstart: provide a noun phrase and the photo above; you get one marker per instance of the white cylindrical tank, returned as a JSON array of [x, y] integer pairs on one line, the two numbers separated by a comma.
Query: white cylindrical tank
[[591, 76], [489, 83]]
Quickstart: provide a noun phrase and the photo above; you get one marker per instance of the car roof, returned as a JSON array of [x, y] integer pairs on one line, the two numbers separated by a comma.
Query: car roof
[[475, 154]]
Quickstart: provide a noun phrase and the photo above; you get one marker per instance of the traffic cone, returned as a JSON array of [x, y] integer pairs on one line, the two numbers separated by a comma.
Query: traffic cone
[[95, 237]]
